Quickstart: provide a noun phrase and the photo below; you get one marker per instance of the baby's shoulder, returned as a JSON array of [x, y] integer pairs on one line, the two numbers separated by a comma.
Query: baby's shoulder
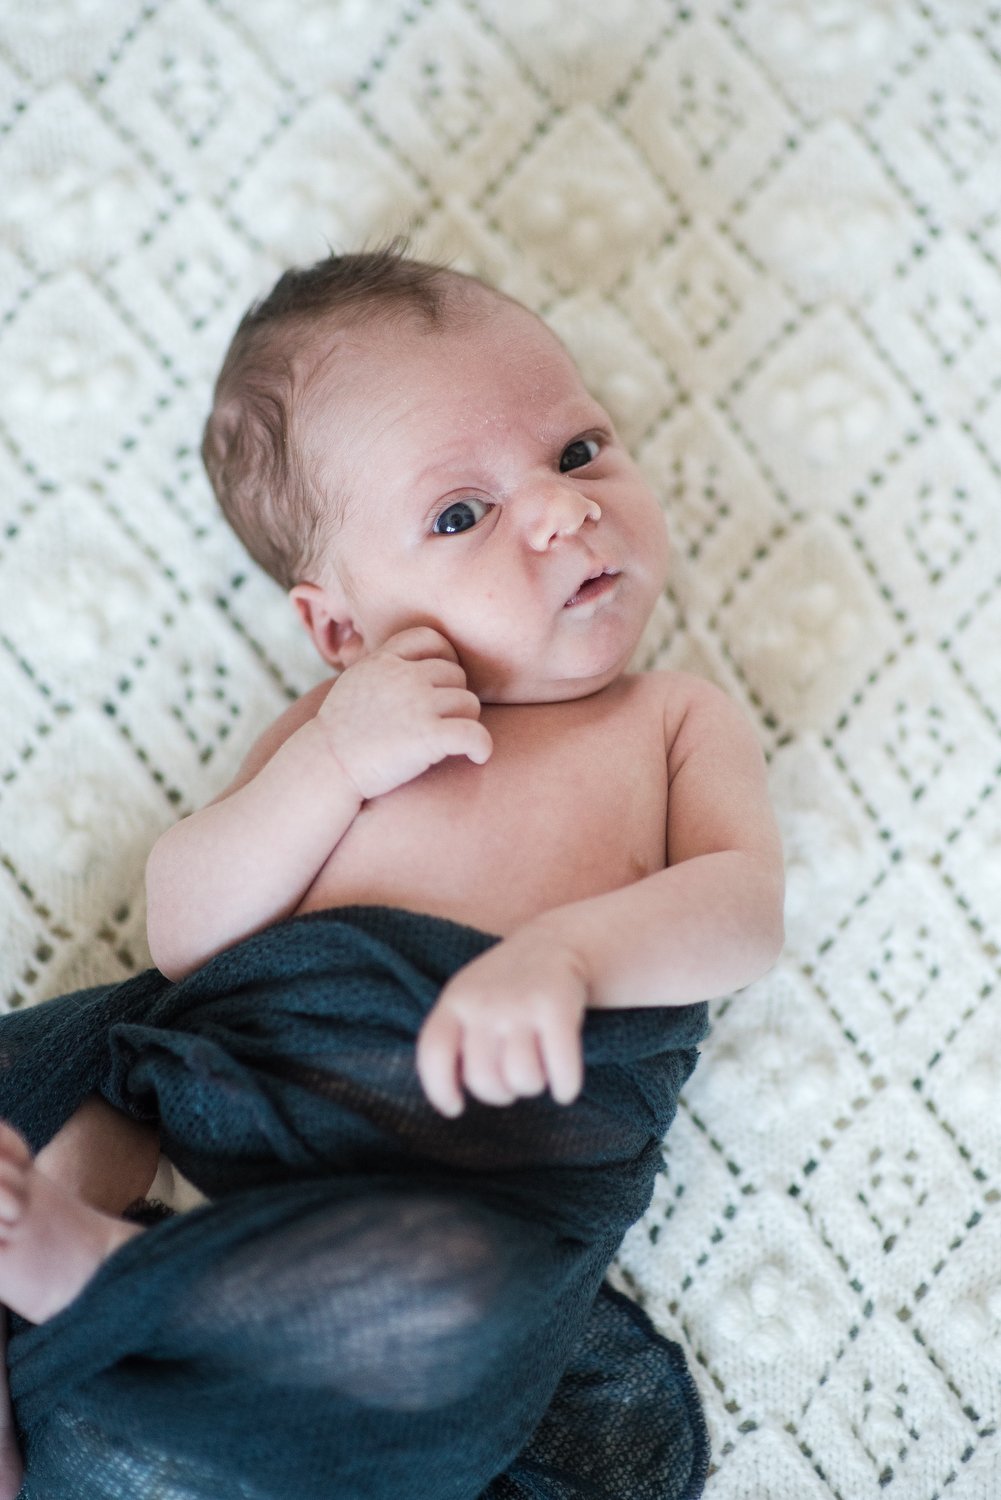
[[678, 693], [692, 707]]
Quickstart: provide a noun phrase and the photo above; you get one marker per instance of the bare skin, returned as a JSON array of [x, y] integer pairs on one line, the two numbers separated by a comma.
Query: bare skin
[[53, 1241], [658, 885], [483, 755], [105, 1158], [545, 788], [59, 1223]]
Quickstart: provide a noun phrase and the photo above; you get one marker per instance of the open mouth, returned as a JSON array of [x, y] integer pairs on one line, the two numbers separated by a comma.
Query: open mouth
[[594, 587]]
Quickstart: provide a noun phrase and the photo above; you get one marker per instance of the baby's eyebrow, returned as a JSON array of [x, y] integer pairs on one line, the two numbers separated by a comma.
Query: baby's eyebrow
[[441, 467], [573, 417], [565, 421]]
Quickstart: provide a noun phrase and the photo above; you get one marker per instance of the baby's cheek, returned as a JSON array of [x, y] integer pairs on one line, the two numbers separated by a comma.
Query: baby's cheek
[[653, 550]]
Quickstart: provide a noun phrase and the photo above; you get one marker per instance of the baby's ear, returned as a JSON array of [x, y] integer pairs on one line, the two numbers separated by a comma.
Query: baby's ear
[[328, 624]]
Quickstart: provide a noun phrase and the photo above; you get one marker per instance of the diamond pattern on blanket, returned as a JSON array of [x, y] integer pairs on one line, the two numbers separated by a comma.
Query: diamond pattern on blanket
[[832, 58], [818, 622], [97, 191], [690, 112], [769, 230], [907, 1429], [939, 135], [86, 381], [548, 207], [445, 91]]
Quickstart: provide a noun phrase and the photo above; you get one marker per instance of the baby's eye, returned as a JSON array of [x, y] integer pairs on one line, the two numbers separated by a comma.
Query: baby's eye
[[578, 453], [459, 516]]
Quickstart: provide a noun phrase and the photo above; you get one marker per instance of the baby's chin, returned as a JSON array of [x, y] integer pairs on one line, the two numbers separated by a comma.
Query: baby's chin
[[558, 669], [528, 688]]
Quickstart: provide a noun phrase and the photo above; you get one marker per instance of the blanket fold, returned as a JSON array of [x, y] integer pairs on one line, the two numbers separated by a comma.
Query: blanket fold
[[376, 1297]]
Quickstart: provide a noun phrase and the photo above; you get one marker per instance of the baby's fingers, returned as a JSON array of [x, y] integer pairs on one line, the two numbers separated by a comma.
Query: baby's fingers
[[521, 1067], [437, 1060], [563, 1058], [465, 737], [456, 703], [416, 642], [13, 1193], [481, 1066]]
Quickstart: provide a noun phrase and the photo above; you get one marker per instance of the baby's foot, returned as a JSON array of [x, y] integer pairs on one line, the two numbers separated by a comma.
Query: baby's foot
[[51, 1242], [11, 1464]]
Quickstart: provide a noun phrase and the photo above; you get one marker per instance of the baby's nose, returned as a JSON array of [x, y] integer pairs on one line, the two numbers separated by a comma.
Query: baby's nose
[[556, 510]]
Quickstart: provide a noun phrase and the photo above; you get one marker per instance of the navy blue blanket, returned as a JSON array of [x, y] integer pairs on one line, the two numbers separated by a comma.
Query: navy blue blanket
[[379, 1303]]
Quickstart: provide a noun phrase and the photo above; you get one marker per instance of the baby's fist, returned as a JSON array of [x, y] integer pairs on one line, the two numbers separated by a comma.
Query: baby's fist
[[508, 1025], [399, 710]]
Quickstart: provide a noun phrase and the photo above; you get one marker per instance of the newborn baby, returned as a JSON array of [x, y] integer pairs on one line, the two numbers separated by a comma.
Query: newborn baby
[[415, 458]]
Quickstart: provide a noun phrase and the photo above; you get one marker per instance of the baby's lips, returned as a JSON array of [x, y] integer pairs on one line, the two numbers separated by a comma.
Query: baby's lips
[[594, 574]]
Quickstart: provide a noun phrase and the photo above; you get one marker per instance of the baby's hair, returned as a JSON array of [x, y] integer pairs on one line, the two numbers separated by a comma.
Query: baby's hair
[[265, 485]]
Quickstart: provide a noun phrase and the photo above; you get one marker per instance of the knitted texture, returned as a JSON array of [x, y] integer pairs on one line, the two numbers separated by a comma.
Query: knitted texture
[[378, 1300], [769, 231]]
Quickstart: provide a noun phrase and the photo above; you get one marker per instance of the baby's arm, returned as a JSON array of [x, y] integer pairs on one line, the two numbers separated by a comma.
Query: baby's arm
[[508, 1024], [712, 921], [248, 857]]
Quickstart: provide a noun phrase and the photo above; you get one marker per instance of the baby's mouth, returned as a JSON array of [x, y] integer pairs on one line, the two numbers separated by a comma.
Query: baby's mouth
[[593, 587]]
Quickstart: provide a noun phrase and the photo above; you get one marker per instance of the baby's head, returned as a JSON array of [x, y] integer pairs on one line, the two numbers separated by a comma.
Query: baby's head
[[255, 445], [398, 444]]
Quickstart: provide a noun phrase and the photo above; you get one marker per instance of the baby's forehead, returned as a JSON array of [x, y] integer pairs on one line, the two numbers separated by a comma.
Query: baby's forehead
[[389, 353], [461, 403]]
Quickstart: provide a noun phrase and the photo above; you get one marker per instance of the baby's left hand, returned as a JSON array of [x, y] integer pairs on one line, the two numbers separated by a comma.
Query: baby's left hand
[[507, 1024]]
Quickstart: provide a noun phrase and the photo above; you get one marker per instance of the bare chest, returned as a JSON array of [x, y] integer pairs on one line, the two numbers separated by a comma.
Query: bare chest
[[572, 803]]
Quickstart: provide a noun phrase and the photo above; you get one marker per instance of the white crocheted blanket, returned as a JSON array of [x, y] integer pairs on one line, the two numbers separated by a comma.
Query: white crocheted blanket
[[771, 231]]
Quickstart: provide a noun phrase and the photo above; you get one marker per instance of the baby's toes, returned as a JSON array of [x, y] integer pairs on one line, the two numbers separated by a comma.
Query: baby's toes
[[15, 1176], [13, 1197], [13, 1147]]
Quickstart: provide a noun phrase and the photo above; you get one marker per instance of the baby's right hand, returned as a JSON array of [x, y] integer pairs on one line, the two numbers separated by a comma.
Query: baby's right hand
[[401, 709]]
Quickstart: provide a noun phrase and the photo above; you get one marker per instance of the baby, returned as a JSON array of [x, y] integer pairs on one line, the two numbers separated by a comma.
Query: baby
[[467, 543], [415, 458]]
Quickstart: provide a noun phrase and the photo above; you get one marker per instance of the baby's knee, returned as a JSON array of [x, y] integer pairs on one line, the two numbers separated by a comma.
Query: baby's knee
[[404, 1302], [434, 1309]]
